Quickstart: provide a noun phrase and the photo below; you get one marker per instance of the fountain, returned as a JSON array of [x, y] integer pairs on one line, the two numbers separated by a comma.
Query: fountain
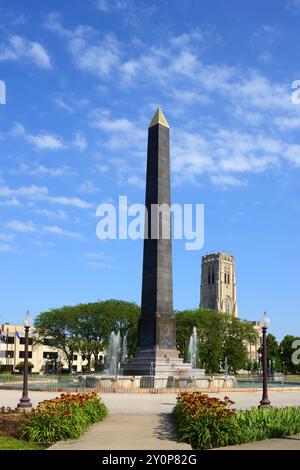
[[193, 348], [113, 353], [124, 348]]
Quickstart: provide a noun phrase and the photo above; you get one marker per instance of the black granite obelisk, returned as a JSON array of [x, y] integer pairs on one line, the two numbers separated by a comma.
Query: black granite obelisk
[[156, 353], [157, 323]]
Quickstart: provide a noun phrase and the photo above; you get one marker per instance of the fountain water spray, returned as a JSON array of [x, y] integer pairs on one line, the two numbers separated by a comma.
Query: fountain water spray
[[124, 348], [193, 348], [113, 351]]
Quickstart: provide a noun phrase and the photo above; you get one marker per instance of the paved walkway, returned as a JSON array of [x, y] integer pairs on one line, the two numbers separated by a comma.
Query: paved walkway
[[143, 421], [282, 443], [128, 432]]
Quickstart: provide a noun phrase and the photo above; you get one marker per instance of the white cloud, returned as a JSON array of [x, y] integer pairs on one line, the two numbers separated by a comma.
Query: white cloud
[[42, 170], [46, 141], [107, 6], [286, 122], [43, 141], [26, 191], [56, 230], [6, 237], [225, 181], [292, 153], [59, 214], [70, 201], [98, 260], [293, 6], [121, 132], [136, 181], [88, 187], [80, 142], [10, 202], [19, 226], [265, 57], [22, 50], [42, 193], [259, 108], [5, 248], [89, 52]]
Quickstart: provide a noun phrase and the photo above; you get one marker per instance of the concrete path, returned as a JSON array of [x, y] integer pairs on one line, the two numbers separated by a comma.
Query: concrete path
[[281, 443], [128, 432]]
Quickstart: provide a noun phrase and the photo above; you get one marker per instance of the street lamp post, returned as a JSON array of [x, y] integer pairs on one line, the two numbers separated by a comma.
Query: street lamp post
[[265, 402], [25, 402]]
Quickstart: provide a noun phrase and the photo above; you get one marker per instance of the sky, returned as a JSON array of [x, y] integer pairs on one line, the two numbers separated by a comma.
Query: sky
[[83, 80]]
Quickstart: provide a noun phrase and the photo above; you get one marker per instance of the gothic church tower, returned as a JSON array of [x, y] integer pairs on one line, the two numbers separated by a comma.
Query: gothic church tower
[[218, 284]]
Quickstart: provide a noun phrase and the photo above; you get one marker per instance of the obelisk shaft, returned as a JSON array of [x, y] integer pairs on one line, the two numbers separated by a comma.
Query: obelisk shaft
[[157, 323]]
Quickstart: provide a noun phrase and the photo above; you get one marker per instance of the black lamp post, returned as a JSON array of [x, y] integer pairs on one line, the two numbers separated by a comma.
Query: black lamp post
[[25, 402], [265, 402]]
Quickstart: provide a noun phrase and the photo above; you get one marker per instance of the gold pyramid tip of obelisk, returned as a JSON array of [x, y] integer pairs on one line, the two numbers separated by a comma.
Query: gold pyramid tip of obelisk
[[159, 118]]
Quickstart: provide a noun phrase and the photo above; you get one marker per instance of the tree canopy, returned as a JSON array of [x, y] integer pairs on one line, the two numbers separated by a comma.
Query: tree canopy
[[222, 338], [87, 327]]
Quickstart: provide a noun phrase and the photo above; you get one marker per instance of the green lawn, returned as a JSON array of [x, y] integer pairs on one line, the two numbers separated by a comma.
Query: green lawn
[[11, 443], [293, 378]]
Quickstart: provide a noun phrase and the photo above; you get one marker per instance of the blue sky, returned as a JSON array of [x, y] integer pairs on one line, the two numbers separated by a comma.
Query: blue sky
[[83, 81]]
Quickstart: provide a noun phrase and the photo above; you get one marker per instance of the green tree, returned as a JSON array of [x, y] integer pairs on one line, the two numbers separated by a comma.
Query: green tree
[[58, 324], [237, 334], [87, 327], [273, 353], [222, 337], [287, 350], [20, 366]]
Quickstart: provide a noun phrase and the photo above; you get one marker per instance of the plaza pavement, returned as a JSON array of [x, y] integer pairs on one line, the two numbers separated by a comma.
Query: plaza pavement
[[143, 421]]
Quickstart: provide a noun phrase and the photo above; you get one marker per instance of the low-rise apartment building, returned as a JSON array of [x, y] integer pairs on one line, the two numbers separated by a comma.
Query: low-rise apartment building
[[42, 356]]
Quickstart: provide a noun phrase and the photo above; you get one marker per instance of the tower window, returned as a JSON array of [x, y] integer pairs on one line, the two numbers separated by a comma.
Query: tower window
[[228, 278], [213, 278], [208, 278], [225, 278]]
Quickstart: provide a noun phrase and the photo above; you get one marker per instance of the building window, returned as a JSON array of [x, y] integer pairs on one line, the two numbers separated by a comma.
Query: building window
[[75, 357], [9, 354], [208, 278], [49, 355], [22, 340], [227, 305], [213, 278], [11, 340], [228, 278], [22, 354]]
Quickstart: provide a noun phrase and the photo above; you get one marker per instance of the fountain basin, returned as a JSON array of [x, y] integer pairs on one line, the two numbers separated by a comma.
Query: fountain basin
[[172, 382]]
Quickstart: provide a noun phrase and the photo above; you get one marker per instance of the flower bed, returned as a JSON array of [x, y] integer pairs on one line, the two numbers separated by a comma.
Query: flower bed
[[65, 417], [206, 422]]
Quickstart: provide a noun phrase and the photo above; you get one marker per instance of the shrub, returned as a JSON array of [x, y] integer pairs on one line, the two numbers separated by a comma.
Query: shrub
[[20, 366], [259, 424], [66, 417], [205, 422]]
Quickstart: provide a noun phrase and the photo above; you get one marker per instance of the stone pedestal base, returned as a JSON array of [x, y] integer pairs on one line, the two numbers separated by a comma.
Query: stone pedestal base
[[159, 363]]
